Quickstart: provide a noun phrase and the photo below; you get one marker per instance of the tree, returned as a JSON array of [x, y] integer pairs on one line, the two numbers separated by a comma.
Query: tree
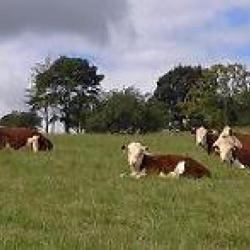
[[233, 83], [202, 105], [21, 119], [154, 116], [173, 87], [39, 95], [72, 86], [213, 96], [123, 110], [127, 111]]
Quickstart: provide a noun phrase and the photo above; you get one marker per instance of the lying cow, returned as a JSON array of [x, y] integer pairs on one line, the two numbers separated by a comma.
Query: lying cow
[[142, 163], [231, 149], [245, 140], [17, 138]]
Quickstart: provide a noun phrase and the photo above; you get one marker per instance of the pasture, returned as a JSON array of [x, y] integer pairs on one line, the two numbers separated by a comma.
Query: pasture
[[74, 198]]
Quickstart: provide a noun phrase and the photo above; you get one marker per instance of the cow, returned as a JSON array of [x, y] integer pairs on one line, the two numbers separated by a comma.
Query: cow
[[231, 149], [211, 137], [142, 163], [200, 135], [206, 138], [16, 138], [244, 139]]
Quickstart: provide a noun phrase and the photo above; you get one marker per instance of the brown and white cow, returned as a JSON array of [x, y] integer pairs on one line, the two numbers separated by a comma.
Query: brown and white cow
[[206, 138], [143, 163], [200, 136], [16, 138], [231, 149], [244, 139]]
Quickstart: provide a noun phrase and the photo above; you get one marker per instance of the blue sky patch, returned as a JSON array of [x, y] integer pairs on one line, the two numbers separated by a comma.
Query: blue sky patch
[[237, 17]]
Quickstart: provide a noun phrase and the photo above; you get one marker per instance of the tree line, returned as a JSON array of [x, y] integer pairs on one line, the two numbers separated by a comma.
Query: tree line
[[69, 90]]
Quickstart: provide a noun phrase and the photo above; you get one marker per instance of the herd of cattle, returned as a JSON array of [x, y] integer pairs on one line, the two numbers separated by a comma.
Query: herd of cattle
[[233, 148]]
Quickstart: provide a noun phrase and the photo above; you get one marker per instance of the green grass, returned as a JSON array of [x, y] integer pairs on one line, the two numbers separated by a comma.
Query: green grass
[[73, 198]]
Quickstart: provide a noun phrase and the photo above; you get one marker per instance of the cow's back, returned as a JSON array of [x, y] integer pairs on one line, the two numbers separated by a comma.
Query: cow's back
[[244, 139], [16, 137], [168, 163]]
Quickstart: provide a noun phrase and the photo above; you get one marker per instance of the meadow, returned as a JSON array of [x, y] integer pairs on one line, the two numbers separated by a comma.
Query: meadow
[[74, 198]]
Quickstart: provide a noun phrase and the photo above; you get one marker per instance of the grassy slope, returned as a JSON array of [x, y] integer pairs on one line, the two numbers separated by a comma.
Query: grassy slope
[[73, 198]]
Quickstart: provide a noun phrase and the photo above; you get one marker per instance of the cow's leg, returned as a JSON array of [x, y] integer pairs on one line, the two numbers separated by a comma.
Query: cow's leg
[[35, 144], [29, 142], [238, 164], [133, 173], [169, 175], [138, 175], [33, 141]]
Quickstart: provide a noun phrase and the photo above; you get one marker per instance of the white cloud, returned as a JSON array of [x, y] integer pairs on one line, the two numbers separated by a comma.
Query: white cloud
[[153, 37]]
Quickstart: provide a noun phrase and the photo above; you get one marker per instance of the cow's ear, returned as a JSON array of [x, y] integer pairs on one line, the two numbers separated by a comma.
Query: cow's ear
[[145, 148], [123, 147]]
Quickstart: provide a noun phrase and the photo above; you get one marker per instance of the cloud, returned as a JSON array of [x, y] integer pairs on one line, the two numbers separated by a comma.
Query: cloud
[[89, 18], [31, 30], [131, 42]]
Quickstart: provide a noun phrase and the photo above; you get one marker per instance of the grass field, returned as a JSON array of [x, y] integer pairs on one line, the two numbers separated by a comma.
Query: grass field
[[73, 198]]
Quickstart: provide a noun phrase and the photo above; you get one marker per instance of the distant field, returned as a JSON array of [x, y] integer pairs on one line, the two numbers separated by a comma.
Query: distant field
[[73, 198]]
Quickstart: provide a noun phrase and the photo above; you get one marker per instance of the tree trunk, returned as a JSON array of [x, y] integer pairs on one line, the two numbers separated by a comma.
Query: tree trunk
[[46, 118], [66, 123], [66, 127], [225, 113], [53, 125]]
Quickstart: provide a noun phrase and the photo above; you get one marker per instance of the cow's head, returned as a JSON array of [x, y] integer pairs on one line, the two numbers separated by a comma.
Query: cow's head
[[33, 142], [226, 146], [193, 130], [135, 152], [201, 136], [227, 131]]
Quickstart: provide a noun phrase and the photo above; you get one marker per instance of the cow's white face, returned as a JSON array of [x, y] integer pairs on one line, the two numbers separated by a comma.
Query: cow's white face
[[201, 136], [136, 152], [226, 145], [227, 131]]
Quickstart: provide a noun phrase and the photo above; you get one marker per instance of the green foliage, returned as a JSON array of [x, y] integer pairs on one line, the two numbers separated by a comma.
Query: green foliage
[[127, 111], [154, 116], [173, 86], [242, 109], [39, 95], [203, 102], [71, 85], [217, 95], [21, 119], [123, 110], [96, 122], [232, 84], [69, 90]]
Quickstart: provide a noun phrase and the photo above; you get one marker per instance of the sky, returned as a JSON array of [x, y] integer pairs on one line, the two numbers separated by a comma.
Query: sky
[[131, 42]]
